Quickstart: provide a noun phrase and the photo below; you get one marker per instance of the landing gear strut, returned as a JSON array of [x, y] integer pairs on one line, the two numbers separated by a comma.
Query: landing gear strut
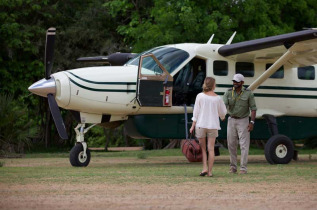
[[80, 154]]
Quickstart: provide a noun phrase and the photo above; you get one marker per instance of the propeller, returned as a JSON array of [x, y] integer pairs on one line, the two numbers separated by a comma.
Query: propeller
[[115, 59], [49, 52], [49, 57], [59, 123]]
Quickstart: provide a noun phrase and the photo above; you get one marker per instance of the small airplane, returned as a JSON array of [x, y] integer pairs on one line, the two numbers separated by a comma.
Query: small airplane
[[153, 92]]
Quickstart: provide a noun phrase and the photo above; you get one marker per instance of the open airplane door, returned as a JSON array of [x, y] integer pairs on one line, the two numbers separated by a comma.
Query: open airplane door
[[154, 84]]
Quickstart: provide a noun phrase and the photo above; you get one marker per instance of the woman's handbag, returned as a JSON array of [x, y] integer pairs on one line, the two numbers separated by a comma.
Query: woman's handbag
[[191, 149]]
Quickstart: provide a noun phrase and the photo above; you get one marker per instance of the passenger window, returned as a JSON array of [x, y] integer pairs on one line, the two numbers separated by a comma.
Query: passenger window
[[306, 73], [279, 74], [245, 68], [220, 68]]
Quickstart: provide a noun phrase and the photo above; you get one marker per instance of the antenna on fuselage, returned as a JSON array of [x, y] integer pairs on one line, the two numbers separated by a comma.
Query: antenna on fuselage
[[209, 41], [231, 38]]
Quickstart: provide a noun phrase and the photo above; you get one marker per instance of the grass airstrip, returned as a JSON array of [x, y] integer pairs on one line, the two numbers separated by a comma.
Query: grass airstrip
[[151, 166]]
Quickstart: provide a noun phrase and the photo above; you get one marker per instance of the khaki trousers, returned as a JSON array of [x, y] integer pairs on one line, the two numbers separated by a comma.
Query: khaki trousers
[[237, 132]]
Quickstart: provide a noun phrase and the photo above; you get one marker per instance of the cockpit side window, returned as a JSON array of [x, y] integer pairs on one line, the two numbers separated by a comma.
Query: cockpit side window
[[150, 67]]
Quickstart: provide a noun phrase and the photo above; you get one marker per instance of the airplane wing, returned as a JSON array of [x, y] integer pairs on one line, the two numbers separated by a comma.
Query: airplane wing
[[270, 49], [295, 49]]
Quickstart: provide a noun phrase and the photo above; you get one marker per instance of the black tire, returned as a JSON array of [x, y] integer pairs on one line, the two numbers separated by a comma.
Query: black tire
[[75, 156], [279, 150]]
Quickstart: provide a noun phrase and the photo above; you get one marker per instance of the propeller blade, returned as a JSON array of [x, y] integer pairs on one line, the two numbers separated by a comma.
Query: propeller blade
[[119, 59], [59, 123], [115, 59], [49, 52], [96, 59]]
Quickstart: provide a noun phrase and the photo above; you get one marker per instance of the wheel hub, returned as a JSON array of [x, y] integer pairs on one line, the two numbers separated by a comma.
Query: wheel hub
[[81, 157], [281, 151]]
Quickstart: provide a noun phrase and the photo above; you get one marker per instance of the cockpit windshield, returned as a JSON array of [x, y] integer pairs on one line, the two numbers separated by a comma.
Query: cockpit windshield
[[169, 57]]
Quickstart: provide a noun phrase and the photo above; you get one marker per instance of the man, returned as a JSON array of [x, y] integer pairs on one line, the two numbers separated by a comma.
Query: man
[[239, 102]]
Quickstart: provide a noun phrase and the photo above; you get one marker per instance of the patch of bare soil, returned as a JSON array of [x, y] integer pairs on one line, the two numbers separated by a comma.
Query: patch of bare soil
[[157, 196]]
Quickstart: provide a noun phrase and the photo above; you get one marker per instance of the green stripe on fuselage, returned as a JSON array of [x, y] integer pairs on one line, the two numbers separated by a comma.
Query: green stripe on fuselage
[[218, 85], [277, 88], [101, 90], [102, 83], [273, 87]]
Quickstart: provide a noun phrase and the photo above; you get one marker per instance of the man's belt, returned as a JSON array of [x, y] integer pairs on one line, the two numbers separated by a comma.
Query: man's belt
[[235, 117]]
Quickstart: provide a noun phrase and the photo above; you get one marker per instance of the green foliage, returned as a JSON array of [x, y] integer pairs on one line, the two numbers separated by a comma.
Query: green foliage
[[1, 163], [21, 40], [97, 137], [16, 130], [167, 22]]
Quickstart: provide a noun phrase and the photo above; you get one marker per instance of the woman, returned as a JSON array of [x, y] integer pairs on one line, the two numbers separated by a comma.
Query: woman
[[208, 108]]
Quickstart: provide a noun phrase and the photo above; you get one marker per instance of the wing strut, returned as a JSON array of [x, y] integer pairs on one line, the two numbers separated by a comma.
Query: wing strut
[[283, 59], [296, 50]]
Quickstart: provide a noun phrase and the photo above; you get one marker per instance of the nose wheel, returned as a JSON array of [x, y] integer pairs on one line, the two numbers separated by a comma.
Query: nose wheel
[[80, 154], [78, 157]]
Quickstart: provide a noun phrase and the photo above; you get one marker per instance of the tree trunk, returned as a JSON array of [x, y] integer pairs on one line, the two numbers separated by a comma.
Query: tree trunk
[[174, 143], [48, 126], [108, 136], [126, 137], [157, 143]]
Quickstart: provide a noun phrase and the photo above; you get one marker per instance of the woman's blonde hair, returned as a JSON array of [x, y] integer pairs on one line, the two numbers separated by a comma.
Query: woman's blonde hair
[[209, 84]]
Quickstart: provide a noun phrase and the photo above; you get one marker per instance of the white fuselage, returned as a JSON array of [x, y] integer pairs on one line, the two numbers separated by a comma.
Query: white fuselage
[[97, 91]]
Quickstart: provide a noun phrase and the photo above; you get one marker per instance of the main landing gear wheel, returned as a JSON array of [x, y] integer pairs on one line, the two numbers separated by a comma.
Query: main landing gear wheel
[[77, 157], [279, 150]]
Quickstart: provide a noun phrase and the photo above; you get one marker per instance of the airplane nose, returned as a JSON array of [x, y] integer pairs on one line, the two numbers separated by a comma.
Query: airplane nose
[[43, 87]]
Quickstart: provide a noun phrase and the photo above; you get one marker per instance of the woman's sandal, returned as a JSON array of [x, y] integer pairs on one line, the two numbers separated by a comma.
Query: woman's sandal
[[203, 173], [210, 175]]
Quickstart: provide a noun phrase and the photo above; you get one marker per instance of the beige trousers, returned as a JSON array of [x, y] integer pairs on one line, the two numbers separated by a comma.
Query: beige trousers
[[237, 132]]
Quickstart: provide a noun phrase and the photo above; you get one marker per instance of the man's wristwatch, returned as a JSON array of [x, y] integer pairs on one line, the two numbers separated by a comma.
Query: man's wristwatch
[[252, 122]]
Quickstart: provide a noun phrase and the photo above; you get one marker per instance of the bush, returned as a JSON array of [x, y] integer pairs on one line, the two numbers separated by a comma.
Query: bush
[[97, 137], [311, 142], [16, 130]]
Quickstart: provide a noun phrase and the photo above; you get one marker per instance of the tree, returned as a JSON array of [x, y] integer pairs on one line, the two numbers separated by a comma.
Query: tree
[[179, 21], [16, 130]]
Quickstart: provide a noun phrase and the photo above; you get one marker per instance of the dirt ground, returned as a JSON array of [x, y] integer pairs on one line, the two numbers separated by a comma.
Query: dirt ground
[[189, 196], [192, 195]]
